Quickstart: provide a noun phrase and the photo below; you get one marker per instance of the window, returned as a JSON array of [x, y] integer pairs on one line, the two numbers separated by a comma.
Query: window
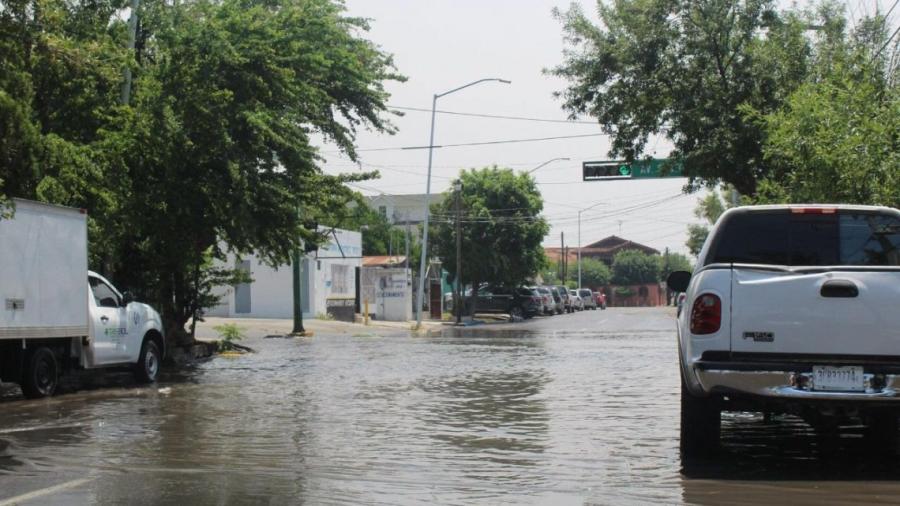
[[382, 210], [104, 296], [340, 278], [784, 238]]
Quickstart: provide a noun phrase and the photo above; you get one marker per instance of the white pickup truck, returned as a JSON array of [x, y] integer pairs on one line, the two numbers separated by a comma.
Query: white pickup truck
[[56, 315], [792, 309]]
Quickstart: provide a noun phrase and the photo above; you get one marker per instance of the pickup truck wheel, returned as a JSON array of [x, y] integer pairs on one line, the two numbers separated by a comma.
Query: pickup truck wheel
[[516, 314], [41, 374], [147, 367], [701, 422]]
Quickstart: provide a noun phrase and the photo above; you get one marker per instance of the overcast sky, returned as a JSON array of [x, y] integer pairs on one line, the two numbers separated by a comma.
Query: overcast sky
[[442, 44]]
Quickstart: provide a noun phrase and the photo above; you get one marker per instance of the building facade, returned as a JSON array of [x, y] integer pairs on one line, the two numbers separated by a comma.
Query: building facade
[[330, 272]]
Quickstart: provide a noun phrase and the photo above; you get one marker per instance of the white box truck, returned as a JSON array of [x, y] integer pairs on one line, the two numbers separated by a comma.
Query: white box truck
[[56, 315]]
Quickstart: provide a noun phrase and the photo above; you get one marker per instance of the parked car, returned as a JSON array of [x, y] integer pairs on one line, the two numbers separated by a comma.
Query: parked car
[[600, 297], [549, 306], [60, 317], [567, 302], [577, 303], [518, 303], [792, 309], [587, 298], [558, 305]]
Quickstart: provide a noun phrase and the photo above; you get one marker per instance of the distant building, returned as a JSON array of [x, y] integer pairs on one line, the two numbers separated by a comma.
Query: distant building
[[330, 272], [604, 250], [403, 209]]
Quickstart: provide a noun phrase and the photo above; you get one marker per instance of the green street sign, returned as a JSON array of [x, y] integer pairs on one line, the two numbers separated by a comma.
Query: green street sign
[[639, 169]]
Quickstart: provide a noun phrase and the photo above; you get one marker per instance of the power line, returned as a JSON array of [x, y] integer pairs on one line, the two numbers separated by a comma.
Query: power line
[[494, 116], [484, 143]]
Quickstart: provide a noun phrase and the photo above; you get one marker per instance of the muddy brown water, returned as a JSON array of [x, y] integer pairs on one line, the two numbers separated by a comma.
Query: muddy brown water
[[534, 416]]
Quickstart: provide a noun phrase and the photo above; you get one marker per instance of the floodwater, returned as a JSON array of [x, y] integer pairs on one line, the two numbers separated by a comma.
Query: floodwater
[[535, 415]]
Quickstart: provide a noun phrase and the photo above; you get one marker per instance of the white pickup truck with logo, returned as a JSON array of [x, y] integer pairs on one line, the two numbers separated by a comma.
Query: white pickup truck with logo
[[56, 316], [792, 309]]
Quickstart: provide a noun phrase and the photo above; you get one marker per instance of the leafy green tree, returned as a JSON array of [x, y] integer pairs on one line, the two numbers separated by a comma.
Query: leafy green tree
[[682, 68], [213, 152], [379, 236], [673, 262], [709, 208], [550, 273], [837, 140], [502, 229], [632, 267], [594, 273]]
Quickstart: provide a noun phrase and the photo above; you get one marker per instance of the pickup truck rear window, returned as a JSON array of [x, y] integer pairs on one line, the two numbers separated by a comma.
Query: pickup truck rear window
[[785, 238]]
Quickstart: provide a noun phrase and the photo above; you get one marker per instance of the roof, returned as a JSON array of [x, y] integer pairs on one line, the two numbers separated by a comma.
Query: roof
[[614, 244], [383, 261], [606, 248]]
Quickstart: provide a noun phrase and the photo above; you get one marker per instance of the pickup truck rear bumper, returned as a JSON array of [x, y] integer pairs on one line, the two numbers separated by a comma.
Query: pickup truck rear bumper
[[790, 385]]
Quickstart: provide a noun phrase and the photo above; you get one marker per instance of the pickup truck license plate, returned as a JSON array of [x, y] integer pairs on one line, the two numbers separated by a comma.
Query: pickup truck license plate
[[842, 379]]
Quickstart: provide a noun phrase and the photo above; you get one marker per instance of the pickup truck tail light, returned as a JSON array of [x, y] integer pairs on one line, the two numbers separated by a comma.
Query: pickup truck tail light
[[706, 315]]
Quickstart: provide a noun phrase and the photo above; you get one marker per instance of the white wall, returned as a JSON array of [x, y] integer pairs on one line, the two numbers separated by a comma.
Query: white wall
[[272, 292]]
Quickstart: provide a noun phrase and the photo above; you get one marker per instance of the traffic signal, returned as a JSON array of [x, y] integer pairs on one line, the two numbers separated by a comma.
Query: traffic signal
[[594, 171]]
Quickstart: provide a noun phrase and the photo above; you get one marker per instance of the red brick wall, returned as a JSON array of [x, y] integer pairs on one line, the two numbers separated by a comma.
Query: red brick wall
[[641, 296]]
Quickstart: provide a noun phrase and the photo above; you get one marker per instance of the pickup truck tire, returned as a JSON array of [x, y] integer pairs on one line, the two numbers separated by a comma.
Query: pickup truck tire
[[41, 373], [516, 314], [701, 423], [147, 367]]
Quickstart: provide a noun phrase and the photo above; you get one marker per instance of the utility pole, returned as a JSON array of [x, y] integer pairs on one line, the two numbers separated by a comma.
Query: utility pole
[[458, 187], [406, 243], [125, 96], [562, 256], [298, 307]]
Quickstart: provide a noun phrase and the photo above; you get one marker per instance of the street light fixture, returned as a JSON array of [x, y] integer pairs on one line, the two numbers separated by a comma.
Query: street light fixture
[[421, 293], [579, 238], [548, 162]]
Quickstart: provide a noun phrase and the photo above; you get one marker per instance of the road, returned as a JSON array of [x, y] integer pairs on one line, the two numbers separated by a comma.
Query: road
[[570, 409]]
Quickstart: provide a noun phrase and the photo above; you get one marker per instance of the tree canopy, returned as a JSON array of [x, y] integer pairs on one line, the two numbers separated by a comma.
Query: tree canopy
[[502, 229], [594, 273], [212, 153], [632, 267]]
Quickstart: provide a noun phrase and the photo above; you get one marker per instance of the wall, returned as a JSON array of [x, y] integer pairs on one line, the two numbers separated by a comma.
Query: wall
[[655, 296], [325, 274]]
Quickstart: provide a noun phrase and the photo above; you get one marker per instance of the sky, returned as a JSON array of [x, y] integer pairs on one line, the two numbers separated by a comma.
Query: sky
[[442, 44]]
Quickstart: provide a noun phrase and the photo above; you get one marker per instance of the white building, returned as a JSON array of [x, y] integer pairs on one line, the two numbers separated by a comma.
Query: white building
[[329, 272], [403, 209]]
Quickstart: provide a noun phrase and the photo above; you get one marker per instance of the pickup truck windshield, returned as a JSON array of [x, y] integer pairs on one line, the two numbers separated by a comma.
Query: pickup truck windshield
[[785, 238]]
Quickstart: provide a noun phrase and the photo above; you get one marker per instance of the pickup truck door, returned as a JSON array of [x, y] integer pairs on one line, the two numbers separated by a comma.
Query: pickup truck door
[[110, 324]]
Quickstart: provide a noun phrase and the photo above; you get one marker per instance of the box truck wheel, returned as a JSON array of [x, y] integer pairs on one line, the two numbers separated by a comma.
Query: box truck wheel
[[147, 367], [41, 374]]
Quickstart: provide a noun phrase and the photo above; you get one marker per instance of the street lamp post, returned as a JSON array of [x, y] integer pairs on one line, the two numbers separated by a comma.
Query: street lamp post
[[579, 239], [548, 162], [421, 293]]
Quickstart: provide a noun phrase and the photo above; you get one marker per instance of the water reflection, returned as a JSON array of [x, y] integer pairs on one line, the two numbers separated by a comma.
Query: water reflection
[[761, 460]]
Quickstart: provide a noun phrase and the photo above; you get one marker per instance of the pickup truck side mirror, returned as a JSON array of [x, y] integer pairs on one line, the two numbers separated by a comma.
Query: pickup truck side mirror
[[678, 281], [127, 298]]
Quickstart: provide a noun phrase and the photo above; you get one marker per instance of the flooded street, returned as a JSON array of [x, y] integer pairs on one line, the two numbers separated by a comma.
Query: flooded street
[[574, 409]]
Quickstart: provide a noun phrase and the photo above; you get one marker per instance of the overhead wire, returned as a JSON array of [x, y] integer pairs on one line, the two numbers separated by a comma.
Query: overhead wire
[[493, 116]]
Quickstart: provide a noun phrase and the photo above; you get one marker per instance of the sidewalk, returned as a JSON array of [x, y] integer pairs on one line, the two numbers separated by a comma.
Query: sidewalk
[[263, 327]]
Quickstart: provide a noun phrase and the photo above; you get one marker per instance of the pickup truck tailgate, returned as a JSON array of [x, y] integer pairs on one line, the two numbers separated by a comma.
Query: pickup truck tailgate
[[836, 312]]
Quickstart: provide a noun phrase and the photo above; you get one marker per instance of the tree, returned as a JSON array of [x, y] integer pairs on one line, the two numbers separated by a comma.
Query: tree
[[502, 229], [632, 267], [212, 154], [682, 68], [594, 273], [379, 236], [838, 137], [672, 262], [709, 208]]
